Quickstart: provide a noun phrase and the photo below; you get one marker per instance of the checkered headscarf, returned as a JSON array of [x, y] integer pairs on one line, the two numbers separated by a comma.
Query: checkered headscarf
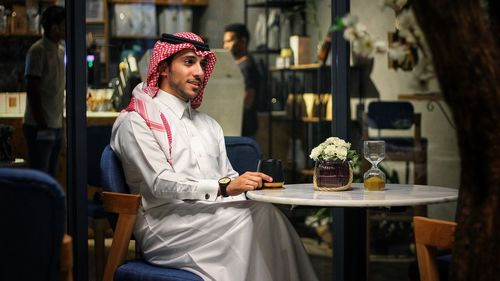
[[163, 50]]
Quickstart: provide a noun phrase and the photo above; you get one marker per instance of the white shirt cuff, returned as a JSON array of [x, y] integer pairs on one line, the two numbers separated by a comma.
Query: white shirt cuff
[[208, 189]]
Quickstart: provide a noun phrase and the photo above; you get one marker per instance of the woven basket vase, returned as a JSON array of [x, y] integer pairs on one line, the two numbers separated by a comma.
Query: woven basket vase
[[332, 175]]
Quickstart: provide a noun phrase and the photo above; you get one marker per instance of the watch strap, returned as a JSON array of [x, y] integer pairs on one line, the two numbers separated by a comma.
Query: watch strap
[[223, 183]]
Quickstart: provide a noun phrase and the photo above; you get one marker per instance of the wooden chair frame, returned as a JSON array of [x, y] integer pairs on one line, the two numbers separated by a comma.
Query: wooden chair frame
[[66, 263], [418, 156], [430, 235], [126, 206]]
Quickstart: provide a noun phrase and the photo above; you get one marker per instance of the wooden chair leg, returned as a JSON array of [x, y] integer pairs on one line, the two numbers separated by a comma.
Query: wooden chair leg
[[66, 263], [420, 170], [99, 247]]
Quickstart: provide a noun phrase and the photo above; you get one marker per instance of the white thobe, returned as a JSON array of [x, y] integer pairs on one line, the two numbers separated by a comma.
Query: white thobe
[[182, 223]]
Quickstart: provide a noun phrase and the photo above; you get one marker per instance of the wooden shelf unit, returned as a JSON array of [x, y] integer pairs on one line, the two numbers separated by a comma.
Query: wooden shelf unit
[[163, 2], [102, 28]]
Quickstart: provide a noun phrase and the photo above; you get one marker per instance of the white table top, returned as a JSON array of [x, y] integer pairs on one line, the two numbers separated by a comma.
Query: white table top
[[357, 196]]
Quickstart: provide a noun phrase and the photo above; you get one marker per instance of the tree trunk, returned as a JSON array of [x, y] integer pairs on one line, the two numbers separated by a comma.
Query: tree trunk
[[466, 55]]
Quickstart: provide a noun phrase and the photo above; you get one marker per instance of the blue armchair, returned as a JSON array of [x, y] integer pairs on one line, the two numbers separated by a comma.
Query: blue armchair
[[243, 153], [33, 214], [98, 137], [118, 200]]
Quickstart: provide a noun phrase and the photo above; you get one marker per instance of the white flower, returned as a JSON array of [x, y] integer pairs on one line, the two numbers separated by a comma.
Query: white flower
[[342, 153], [363, 46], [341, 143], [330, 140], [330, 152], [333, 148], [349, 20], [360, 29], [349, 34], [311, 221], [315, 153]]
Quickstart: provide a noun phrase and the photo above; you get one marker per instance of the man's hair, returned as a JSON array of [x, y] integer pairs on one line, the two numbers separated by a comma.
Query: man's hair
[[240, 30], [53, 15]]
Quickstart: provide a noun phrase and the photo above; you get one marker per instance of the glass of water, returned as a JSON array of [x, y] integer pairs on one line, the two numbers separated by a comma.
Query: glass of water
[[374, 152]]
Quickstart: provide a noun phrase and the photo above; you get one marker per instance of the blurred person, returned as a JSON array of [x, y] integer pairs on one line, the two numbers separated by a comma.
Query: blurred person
[[194, 214], [236, 39], [45, 81]]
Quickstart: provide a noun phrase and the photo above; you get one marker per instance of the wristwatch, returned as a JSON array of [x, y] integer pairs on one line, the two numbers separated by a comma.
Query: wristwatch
[[223, 183]]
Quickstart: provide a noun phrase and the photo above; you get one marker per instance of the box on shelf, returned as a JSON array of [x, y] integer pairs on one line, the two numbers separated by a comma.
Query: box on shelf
[[4, 23], [301, 47], [134, 20], [13, 103], [175, 19], [3, 102], [19, 20], [94, 10]]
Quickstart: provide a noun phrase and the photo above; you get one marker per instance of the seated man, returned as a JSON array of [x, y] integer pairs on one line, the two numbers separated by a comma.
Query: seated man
[[194, 215]]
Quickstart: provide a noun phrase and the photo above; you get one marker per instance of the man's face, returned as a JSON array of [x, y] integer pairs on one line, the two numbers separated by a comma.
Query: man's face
[[58, 31], [233, 43], [184, 77]]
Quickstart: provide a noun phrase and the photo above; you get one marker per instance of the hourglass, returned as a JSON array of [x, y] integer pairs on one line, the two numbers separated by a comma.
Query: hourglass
[[374, 152]]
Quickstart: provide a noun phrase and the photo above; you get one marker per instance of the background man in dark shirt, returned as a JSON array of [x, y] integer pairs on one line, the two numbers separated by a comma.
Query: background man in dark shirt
[[45, 77], [236, 39]]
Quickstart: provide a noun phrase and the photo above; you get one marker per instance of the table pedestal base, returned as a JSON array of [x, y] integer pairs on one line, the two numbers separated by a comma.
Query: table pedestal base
[[349, 243]]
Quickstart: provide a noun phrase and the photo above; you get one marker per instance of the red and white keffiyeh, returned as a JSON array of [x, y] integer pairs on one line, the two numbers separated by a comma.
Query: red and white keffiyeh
[[143, 94], [163, 50]]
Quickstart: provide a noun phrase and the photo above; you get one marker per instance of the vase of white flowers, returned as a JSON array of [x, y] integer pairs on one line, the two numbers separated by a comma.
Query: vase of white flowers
[[333, 169]]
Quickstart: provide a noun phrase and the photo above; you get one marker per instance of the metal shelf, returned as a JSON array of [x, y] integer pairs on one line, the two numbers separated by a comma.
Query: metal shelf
[[276, 4], [391, 258]]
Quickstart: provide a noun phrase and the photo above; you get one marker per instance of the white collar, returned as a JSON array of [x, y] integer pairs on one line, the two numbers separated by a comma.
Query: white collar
[[177, 105]]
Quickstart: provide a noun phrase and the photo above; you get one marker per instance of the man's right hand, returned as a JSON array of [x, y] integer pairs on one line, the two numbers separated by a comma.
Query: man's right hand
[[246, 182]]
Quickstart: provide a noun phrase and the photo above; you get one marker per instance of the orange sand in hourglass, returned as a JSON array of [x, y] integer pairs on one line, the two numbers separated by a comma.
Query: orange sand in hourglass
[[374, 183]]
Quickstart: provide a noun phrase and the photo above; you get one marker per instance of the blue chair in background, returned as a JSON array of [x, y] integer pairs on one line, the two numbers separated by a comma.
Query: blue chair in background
[[98, 137], [33, 215], [397, 115], [243, 153], [118, 200]]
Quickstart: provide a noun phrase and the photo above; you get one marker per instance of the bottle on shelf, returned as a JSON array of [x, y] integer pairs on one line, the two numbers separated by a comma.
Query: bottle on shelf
[[325, 48]]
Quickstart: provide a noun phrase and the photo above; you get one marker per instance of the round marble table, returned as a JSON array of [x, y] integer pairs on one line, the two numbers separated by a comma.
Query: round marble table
[[357, 196], [349, 215]]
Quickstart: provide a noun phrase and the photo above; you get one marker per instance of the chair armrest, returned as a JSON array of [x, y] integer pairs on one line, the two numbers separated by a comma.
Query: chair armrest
[[433, 232], [121, 203], [126, 205]]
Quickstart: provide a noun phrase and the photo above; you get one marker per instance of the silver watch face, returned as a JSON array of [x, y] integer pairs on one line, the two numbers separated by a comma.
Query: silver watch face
[[224, 181]]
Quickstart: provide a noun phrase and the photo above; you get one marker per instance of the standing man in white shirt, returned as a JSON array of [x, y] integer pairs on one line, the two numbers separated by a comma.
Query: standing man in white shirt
[[44, 74], [194, 215]]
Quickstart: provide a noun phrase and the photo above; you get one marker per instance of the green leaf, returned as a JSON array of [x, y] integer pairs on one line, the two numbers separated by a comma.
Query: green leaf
[[337, 26]]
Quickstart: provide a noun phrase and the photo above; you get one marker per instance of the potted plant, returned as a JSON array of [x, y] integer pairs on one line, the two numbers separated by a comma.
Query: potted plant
[[333, 165]]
